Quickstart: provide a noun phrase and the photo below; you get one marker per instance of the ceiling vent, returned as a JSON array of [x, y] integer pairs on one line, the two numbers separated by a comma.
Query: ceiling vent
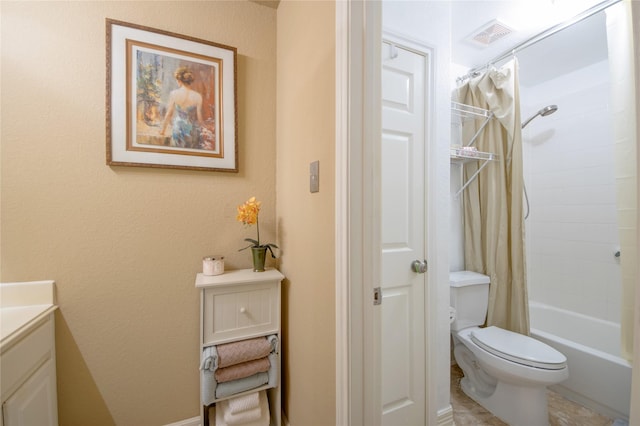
[[489, 33]]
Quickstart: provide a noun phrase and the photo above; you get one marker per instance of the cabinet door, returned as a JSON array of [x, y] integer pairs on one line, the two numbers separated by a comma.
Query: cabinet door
[[35, 402]]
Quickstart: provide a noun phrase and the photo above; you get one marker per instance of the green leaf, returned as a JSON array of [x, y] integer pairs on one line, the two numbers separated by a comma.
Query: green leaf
[[271, 250]]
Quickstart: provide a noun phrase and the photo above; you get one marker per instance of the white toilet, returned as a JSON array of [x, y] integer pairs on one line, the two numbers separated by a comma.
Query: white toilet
[[505, 372]]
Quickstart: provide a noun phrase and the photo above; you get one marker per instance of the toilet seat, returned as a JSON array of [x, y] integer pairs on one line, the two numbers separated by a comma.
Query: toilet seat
[[518, 348]]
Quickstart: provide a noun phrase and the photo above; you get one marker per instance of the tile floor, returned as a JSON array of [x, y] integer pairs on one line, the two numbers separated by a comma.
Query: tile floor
[[562, 412]]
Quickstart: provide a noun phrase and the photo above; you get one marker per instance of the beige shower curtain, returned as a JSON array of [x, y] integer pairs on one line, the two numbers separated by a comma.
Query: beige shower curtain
[[493, 202]]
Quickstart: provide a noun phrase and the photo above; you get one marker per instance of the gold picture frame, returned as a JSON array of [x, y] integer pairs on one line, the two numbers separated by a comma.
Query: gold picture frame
[[171, 100]]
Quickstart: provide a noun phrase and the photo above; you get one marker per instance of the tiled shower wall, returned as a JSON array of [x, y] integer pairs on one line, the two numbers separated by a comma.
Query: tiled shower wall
[[571, 233]]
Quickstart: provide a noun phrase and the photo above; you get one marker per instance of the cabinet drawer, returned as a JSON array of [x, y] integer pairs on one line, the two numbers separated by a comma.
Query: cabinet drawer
[[240, 311], [21, 360]]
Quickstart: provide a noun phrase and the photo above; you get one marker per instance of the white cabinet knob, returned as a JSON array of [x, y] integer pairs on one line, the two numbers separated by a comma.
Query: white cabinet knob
[[243, 310]]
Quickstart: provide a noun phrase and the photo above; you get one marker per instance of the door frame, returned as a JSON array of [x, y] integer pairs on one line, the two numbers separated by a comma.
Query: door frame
[[358, 114], [358, 248]]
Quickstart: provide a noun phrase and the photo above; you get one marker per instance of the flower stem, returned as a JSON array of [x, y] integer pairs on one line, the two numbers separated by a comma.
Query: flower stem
[[258, 229]]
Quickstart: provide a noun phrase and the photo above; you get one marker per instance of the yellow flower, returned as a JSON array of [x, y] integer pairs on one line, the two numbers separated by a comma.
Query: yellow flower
[[248, 212], [248, 215]]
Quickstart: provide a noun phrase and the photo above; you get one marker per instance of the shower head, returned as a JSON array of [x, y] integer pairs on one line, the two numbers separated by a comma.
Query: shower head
[[548, 110]]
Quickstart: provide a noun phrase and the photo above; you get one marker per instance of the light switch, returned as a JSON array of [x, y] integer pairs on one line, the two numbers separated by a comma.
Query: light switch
[[314, 176]]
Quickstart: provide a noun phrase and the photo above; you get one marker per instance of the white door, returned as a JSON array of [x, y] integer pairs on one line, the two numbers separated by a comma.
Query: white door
[[403, 236]]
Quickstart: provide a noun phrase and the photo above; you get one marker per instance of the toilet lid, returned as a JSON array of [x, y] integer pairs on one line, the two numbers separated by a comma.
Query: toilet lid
[[518, 348]]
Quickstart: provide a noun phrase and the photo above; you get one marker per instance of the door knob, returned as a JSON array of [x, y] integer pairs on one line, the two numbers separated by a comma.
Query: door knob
[[419, 266]]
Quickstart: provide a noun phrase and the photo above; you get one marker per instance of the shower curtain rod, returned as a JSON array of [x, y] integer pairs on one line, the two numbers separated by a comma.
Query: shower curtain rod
[[541, 36]]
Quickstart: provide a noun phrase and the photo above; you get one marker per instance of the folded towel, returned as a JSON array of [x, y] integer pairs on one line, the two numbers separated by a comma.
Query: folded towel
[[207, 383], [273, 341], [242, 370], [236, 386], [254, 415], [209, 359], [243, 417], [211, 362], [244, 402], [243, 351], [273, 371], [258, 416]]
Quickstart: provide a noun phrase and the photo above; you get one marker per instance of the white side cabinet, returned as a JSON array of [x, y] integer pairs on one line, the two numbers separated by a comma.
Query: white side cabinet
[[27, 354], [239, 305]]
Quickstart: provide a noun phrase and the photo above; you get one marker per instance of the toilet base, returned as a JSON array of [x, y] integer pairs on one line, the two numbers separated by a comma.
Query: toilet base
[[516, 405], [513, 399]]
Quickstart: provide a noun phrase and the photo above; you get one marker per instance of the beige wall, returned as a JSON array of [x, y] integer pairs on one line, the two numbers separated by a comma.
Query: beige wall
[[305, 133], [122, 243]]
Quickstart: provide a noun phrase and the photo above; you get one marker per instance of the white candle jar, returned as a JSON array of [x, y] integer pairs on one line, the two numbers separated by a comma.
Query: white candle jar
[[213, 265]]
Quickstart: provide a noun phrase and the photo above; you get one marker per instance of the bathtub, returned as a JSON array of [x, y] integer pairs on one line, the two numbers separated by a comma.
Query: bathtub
[[598, 377]]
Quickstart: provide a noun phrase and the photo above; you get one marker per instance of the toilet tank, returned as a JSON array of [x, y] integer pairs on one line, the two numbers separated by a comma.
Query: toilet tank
[[469, 297]]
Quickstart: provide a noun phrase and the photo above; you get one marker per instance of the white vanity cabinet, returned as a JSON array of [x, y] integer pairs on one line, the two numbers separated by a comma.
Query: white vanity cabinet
[[239, 305], [27, 355]]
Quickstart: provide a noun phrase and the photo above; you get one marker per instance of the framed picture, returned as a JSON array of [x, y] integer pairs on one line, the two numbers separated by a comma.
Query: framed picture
[[171, 100]]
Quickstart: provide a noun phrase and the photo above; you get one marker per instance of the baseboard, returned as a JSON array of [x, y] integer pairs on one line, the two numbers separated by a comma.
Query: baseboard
[[445, 417], [194, 421]]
